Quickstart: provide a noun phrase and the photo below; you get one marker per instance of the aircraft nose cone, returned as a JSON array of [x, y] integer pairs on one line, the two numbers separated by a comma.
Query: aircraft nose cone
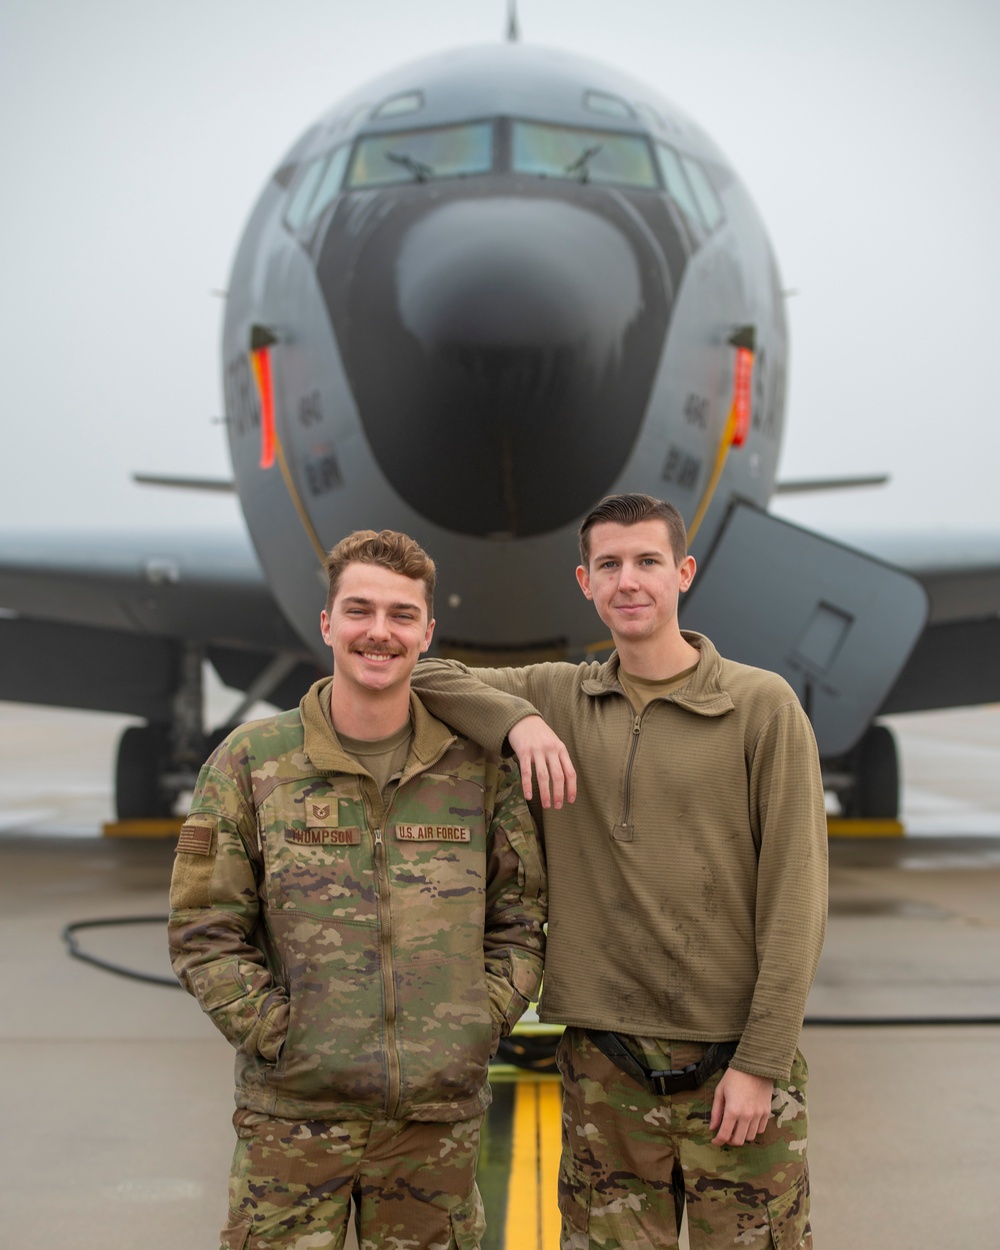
[[506, 274], [501, 352]]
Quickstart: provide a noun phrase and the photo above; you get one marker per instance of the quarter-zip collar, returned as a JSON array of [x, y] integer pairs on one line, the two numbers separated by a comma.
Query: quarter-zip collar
[[702, 693]]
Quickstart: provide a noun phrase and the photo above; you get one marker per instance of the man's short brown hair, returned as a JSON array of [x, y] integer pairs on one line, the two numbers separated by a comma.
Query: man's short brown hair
[[387, 549], [630, 510]]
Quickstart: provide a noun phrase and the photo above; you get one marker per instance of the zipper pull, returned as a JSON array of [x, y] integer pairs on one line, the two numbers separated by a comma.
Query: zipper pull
[[635, 724]]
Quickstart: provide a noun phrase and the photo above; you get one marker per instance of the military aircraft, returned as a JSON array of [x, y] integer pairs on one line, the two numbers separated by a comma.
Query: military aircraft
[[480, 293]]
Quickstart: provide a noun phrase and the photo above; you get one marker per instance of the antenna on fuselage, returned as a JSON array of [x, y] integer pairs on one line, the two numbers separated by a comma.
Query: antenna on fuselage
[[513, 28]]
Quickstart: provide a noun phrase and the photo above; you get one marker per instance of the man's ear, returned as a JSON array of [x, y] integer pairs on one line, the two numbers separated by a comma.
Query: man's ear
[[324, 627], [583, 577], [687, 569], [428, 636]]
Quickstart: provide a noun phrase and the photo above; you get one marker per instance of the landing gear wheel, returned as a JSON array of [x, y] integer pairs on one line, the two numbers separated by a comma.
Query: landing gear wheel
[[875, 792], [143, 751]]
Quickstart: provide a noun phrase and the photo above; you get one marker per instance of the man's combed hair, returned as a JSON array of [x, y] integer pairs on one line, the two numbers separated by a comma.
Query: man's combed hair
[[387, 549], [630, 510]]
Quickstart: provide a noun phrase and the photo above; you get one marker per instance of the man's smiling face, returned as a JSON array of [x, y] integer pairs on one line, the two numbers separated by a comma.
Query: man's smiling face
[[377, 627], [634, 579]]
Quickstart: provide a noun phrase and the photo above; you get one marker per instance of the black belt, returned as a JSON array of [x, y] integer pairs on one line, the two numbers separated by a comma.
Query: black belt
[[672, 1080]]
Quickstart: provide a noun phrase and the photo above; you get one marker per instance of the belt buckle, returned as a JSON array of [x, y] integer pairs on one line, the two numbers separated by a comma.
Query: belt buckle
[[673, 1080]]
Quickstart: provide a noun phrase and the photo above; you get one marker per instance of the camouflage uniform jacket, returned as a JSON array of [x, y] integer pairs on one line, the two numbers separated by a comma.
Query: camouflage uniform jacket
[[362, 957], [688, 882]]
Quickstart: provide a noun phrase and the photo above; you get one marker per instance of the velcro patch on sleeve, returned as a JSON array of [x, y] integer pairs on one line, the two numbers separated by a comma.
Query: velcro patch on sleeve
[[433, 833], [195, 839]]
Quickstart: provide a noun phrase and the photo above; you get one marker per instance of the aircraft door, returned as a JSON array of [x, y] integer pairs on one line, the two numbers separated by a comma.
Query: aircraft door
[[835, 623]]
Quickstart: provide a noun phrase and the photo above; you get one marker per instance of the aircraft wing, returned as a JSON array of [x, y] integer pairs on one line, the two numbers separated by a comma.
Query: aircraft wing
[[106, 621], [103, 621], [956, 662]]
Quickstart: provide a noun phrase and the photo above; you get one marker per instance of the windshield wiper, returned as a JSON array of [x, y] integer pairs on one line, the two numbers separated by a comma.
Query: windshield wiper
[[582, 163], [418, 169]]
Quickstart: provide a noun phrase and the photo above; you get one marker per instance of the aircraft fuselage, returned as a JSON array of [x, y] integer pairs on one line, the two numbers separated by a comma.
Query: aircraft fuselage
[[484, 291]]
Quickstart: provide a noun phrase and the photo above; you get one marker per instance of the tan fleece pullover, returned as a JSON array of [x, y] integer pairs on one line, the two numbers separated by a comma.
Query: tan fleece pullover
[[688, 883]]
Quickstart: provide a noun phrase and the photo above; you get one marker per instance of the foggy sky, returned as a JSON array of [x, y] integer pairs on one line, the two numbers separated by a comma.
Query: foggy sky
[[136, 139]]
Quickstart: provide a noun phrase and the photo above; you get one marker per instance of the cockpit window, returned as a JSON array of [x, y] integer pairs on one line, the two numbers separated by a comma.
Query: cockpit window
[[704, 192], [329, 184], [298, 205], [396, 105], [688, 185], [318, 185], [610, 105], [420, 155], [582, 155], [675, 180]]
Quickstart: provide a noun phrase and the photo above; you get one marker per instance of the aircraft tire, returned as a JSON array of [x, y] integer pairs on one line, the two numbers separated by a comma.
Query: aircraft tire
[[875, 793], [142, 756]]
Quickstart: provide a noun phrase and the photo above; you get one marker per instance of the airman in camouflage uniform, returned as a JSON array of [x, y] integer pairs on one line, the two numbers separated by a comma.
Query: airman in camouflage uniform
[[362, 946]]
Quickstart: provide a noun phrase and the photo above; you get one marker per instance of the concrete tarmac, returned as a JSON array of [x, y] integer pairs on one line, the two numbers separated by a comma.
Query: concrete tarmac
[[116, 1095]]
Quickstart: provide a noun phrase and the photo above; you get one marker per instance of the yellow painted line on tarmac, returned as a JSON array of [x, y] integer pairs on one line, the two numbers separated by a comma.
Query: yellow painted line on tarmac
[[839, 827], [532, 1205], [165, 827]]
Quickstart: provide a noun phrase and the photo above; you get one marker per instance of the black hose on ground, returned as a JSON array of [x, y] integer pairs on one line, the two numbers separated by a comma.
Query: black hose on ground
[[521, 1051], [151, 978]]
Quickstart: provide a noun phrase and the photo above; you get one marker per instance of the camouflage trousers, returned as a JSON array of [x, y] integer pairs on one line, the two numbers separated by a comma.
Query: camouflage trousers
[[413, 1184], [632, 1161]]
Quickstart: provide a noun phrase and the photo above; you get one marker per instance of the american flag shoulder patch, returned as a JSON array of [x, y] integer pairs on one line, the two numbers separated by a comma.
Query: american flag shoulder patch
[[195, 839]]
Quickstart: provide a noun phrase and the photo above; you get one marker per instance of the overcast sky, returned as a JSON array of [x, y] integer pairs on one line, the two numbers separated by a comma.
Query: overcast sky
[[137, 137]]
